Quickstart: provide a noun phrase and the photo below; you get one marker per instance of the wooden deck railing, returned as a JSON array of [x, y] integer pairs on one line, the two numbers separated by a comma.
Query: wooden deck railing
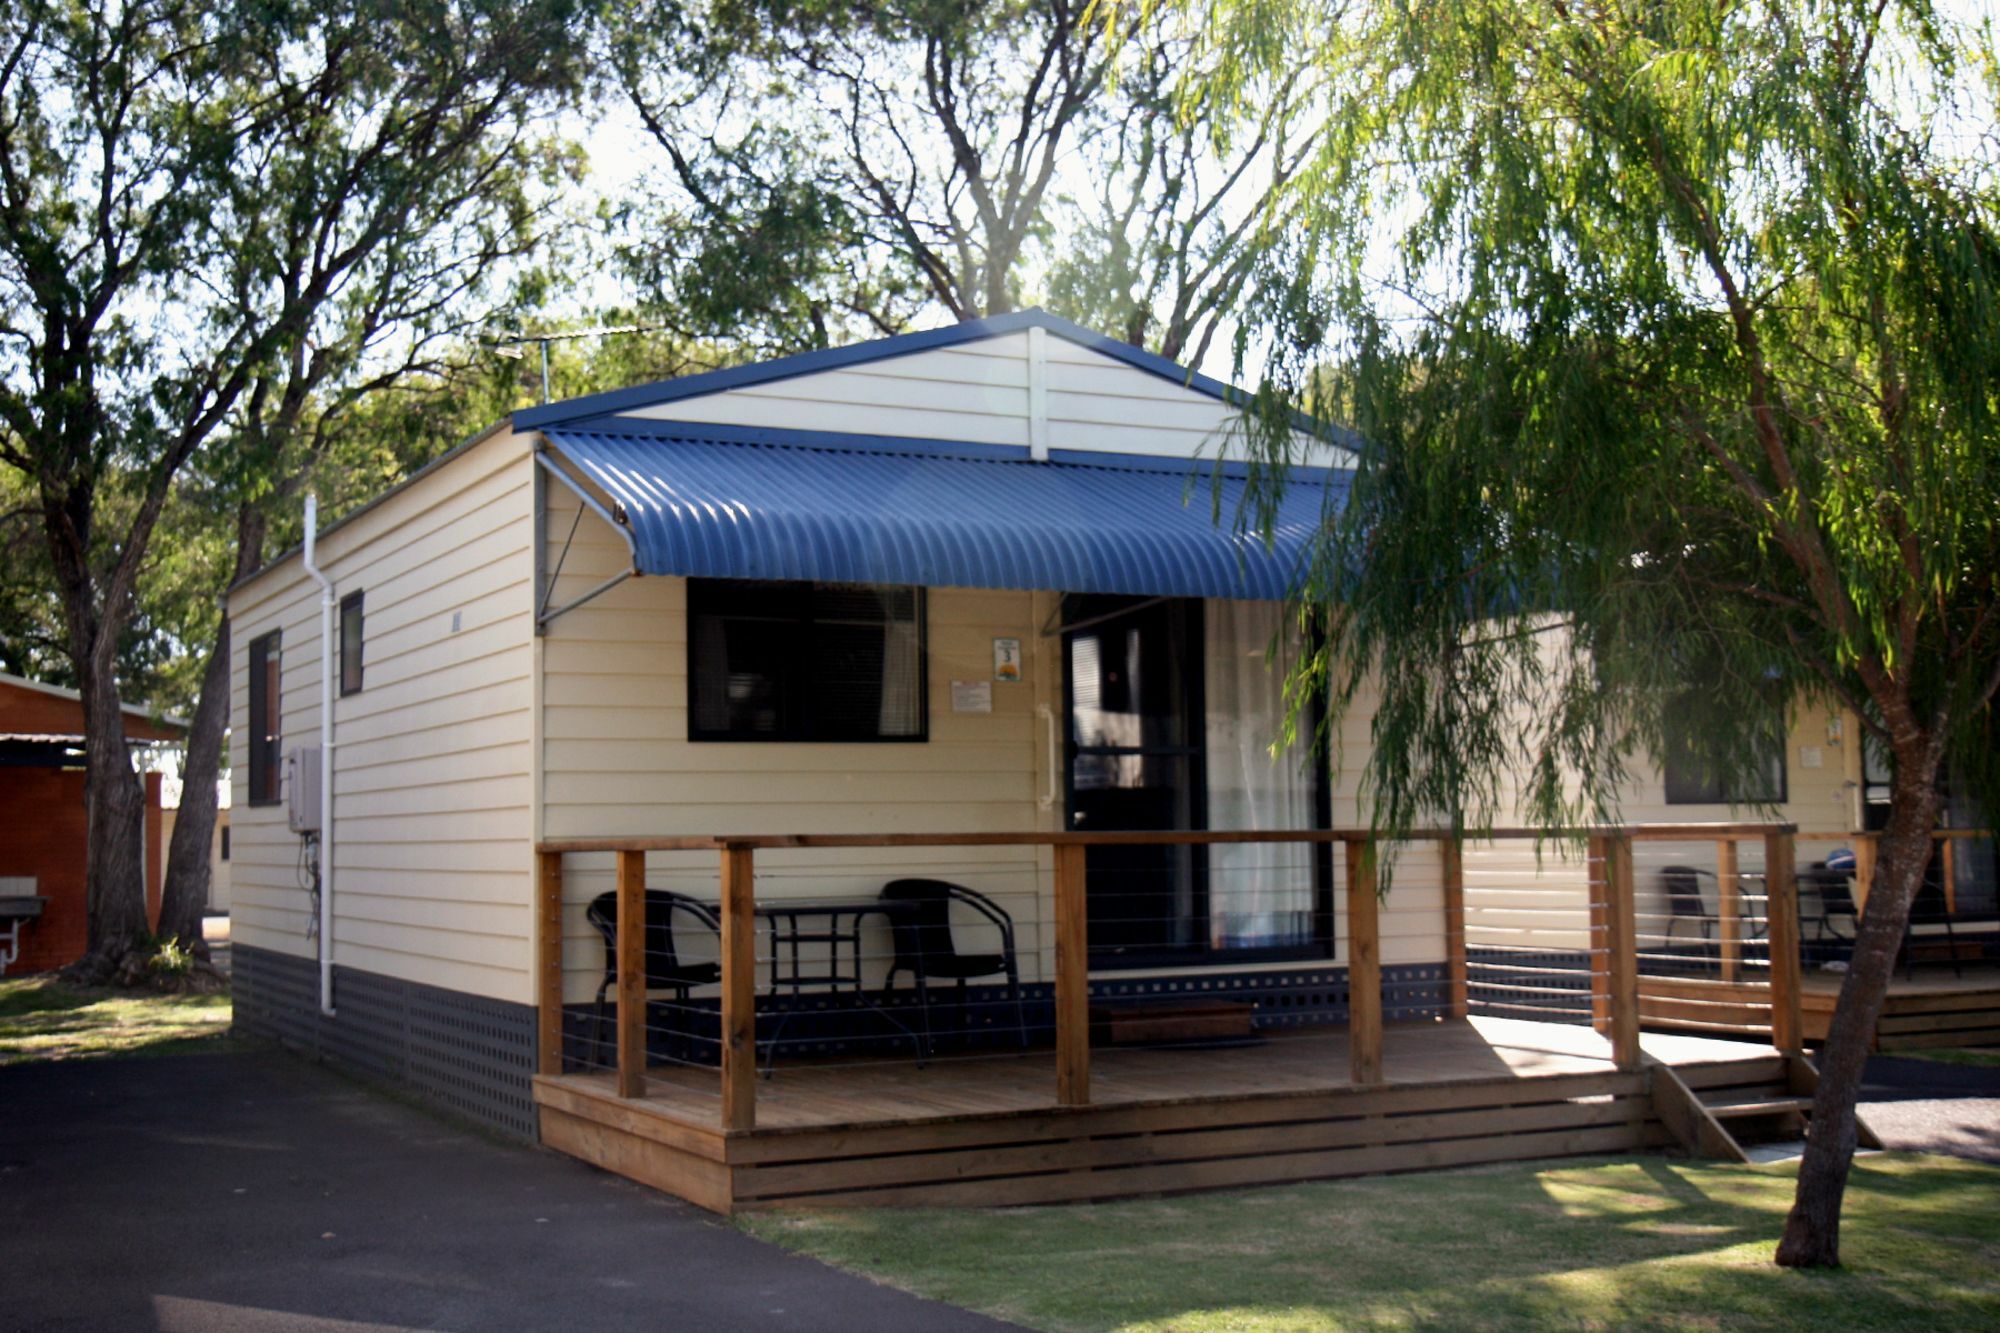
[[1613, 935], [1864, 858]]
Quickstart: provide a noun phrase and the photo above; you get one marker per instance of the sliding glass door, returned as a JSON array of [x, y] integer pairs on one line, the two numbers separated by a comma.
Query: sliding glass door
[[1135, 756], [1172, 708]]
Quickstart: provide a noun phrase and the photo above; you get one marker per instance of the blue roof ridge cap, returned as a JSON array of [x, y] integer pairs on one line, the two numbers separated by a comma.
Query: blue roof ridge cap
[[903, 344]]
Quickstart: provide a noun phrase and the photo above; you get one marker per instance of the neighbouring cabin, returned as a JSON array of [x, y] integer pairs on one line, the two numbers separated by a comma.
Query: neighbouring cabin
[[44, 828], [879, 741]]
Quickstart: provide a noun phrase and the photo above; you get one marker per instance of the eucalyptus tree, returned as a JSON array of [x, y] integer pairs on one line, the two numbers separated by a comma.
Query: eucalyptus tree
[[1175, 225], [204, 207], [828, 168], [1674, 329]]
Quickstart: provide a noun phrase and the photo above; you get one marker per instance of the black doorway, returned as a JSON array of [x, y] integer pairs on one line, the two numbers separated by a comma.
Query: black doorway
[[1136, 744]]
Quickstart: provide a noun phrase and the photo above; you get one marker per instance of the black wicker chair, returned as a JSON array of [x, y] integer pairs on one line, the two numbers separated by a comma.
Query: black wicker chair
[[1930, 908], [665, 972], [925, 947], [1833, 884], [1682, 885]]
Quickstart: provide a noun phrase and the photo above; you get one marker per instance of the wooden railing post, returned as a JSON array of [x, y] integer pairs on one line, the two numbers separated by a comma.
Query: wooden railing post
[[631, 950], [739, 988], [1948, 870], [1621, 921], [1364, 965], [1598, 864], [1729, 906], [1781, 894], [1454, 926], [1072, 978], [548, 963]]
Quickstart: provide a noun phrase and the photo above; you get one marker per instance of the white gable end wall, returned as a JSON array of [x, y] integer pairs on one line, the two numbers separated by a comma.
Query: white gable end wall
[[979, 392], [975, 391]]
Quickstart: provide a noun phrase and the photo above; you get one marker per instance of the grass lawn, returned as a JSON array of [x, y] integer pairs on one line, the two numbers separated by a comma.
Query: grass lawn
[[43, 1019], [1575, 1244], [1987, 1059]]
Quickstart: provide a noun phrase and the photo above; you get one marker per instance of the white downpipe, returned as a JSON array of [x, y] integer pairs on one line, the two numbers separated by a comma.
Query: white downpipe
[[326, 666]]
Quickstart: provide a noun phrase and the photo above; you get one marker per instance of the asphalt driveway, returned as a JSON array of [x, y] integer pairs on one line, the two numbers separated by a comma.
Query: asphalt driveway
[[255, 1191], [1924, 1106]]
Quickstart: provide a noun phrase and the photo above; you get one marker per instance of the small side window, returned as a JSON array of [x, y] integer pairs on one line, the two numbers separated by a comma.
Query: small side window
[[350, 643], [266, 719]]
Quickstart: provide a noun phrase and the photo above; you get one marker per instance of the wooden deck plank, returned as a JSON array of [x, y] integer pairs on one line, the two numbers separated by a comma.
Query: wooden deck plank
[[829, 1094], [990, 1131]]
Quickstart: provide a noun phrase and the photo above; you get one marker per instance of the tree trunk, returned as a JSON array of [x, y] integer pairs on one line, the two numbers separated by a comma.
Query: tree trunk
[[189, 868], [115, 817], [1812, 1231], [188, 863]]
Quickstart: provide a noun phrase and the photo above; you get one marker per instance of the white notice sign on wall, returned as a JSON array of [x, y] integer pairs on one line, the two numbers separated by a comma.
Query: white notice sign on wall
[[972, 696]]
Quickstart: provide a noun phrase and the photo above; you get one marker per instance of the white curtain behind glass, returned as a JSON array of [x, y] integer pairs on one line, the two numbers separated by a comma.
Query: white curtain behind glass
[[1260, 894], [902, 702]]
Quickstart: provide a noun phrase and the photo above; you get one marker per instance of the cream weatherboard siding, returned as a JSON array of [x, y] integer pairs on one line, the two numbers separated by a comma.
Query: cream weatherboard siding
[[432, 761], [1411, 915], [617, 761]]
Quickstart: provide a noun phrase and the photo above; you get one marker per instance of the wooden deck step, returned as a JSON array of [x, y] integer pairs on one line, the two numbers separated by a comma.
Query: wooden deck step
[[1735, 1106], [1170, 1022]]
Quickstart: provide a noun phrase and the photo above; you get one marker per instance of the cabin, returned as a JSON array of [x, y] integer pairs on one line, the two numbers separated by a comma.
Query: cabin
[[44, 913], [850, 778]]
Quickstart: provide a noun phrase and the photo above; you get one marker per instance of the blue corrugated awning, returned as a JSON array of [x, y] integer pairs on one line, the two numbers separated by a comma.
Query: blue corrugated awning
[[796, 505]]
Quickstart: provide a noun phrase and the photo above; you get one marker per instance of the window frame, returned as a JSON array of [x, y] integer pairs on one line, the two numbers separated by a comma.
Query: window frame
[[266, 768], [353, 601], [795, 684], [1713, 791]]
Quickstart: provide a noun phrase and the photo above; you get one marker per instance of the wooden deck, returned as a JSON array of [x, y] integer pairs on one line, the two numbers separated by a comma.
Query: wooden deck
[[1934, 1008], [989, 1131]]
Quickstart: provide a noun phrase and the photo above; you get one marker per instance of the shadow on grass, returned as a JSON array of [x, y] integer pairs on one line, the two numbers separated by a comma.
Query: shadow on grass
[[44, 1019], [1590, 1244]]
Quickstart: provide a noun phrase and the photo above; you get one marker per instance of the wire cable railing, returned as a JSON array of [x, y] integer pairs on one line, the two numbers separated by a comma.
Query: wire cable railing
[[714, 963]]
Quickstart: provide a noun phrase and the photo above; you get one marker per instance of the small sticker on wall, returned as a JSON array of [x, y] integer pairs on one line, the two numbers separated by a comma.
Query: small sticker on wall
[[972, 696], [1809, 756], [1006, 659]]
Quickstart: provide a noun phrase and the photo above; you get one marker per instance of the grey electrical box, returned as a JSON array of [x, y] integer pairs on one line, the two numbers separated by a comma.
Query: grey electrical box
[[302, 788]]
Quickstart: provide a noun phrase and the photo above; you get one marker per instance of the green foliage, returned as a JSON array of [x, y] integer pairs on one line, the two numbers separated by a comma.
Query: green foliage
[[223, 225], [220, 225], [835, 170], [169, 958], [1674, 332]]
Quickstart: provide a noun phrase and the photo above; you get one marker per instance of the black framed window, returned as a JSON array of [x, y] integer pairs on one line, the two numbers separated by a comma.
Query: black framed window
[[266, 719], [350, 643], [1692, 778], [805, 662]]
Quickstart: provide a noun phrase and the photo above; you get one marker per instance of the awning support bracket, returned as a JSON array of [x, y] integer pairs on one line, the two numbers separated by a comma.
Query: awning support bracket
[[544, 614]]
